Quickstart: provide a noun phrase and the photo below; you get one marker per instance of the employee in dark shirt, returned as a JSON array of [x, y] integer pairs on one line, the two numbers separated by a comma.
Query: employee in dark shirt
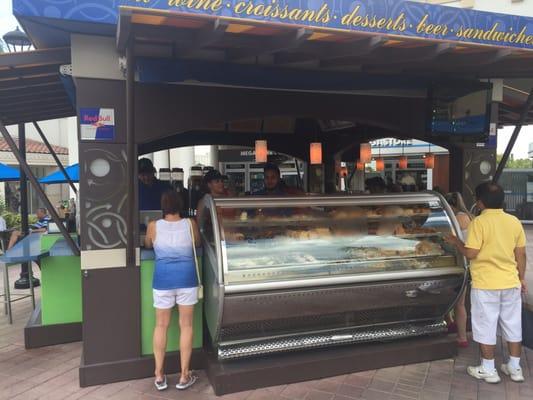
[[150, 188], [274, 185]]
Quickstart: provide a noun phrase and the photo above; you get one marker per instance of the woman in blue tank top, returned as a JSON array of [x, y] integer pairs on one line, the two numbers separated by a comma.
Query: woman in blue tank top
[[174, 283]]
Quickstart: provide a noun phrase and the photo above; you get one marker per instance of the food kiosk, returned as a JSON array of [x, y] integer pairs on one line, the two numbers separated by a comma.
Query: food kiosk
[[143, 76]]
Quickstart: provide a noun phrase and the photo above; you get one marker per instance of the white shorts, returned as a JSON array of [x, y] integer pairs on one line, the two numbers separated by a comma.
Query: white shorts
[[166, 299], [493, 309]]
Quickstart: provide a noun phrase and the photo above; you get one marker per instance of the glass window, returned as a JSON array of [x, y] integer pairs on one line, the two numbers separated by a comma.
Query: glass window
[[288, 242]]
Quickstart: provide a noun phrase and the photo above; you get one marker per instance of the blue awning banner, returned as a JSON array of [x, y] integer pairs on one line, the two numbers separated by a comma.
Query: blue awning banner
[[73, 172], [8, 173], [392, 17]]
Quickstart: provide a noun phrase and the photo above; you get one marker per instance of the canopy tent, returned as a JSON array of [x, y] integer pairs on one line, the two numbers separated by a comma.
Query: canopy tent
[[8, 173], [73, 172]]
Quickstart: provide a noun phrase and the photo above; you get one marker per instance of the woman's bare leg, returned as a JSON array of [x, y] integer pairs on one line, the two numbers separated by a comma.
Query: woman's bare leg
[[186, 337], [162, 320]]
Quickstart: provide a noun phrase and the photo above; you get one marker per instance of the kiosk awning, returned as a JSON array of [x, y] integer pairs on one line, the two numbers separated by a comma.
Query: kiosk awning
[[214, 38], [31, 87]]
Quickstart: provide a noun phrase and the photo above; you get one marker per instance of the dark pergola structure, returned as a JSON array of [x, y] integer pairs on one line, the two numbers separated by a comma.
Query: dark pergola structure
[[31, 90]]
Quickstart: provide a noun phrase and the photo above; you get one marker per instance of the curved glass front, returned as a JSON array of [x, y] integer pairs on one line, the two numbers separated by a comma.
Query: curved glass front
[[264, 241]]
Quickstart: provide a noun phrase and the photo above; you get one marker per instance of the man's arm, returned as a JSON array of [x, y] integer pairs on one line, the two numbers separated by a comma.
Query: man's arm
[[520, 257], [469, 253]]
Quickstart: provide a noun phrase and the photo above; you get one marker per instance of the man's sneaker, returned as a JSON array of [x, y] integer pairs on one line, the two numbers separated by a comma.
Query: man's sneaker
[[515, 374], [479, 372], [162, 384]]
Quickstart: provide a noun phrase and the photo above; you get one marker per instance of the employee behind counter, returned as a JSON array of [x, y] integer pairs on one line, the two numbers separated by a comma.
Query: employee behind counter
[[274, 185], [150, 188]]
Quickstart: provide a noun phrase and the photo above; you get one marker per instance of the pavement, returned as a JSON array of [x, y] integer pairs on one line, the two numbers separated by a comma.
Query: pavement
[[52, 373]]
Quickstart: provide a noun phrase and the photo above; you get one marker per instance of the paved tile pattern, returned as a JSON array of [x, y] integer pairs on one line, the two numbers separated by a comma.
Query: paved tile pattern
[[52, 373]]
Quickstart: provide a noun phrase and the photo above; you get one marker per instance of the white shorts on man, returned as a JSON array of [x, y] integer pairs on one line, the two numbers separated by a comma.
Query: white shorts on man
[[496, 311]]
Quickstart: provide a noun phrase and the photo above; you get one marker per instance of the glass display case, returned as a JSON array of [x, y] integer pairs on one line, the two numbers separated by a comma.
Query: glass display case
[[282, 250]]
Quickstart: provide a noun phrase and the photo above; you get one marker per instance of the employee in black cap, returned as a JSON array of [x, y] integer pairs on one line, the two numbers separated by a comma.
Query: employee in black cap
[[150, 188], [214, 182]]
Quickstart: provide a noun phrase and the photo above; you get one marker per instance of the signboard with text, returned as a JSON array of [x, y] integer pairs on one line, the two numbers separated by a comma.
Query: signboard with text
[[97, 124], [392, 17]]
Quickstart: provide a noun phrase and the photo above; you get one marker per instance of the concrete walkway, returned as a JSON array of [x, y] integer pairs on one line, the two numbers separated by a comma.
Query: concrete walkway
[[52, 373]]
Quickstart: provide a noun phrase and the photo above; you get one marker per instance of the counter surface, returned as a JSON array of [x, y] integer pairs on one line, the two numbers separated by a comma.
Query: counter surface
[[27, 249], [61, 249]]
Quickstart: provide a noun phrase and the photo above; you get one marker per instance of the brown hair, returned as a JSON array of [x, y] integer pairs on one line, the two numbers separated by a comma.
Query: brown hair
[[171, 202]]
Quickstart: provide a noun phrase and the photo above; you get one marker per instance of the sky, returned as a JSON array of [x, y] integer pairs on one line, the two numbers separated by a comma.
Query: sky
[[8, 22]]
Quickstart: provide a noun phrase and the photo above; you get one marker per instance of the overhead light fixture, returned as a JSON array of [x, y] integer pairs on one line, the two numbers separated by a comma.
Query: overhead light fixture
[[261, 148], [261, 151], [380, 164], [402, 162], [315, 153], [429, 159], [365, 152]]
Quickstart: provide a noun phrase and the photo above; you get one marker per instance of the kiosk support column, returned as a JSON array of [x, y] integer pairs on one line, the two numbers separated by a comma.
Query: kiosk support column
[[130, 155], [23, 194]]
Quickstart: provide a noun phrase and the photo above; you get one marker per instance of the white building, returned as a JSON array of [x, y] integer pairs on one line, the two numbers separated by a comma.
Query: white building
[[62, 135]]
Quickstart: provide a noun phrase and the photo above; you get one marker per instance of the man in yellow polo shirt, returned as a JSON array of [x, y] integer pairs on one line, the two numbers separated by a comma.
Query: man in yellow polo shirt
[[496, 246]]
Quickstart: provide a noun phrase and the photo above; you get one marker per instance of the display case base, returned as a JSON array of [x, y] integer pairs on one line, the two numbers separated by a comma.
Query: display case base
[[38, 335], [252, 373]]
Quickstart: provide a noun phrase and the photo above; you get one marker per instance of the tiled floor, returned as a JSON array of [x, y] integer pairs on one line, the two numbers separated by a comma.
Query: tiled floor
[[51, 373]]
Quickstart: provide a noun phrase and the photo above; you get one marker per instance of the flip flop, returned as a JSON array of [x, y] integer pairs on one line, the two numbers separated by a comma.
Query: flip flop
[[185, 385], [161, 385]]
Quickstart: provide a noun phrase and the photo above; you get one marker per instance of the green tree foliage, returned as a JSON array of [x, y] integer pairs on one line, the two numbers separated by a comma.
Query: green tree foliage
[[522, 163], [13, 219]]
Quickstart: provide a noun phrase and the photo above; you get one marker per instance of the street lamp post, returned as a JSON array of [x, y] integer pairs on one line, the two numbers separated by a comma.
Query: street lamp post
[[17, 41]]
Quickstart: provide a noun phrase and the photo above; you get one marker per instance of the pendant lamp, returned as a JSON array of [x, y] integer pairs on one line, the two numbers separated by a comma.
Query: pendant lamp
[[429, 160], [402, 162], [380, 164], [365, 152], [261, 151], [315, 153], [360, 166]]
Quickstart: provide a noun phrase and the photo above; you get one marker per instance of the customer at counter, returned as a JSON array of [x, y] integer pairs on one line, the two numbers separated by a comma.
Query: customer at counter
[[496, 247], [150, 188], [463, 216], [274, 185], [175, 282]]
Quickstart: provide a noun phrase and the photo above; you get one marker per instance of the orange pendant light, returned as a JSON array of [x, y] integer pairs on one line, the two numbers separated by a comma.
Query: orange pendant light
[[429, 161], [261, 151], [402, 162], [365, 152], [360, 166], [315, 153], [380, 164]]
